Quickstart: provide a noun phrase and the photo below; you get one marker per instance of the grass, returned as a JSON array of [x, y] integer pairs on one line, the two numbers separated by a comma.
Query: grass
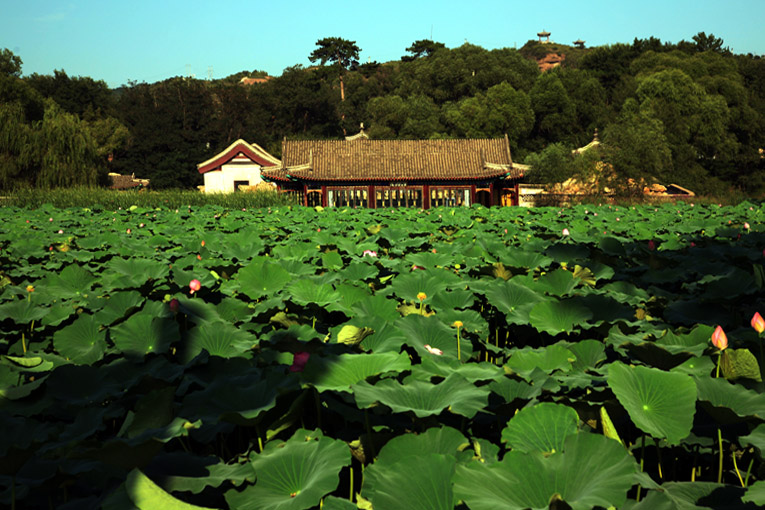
[[113, 199]]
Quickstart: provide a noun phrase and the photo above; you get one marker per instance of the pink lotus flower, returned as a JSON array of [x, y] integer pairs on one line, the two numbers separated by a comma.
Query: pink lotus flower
[[414, 267], [203, 242], [651, 245], [758, 323], [128, 231], [369, 253], [175, 305], [565, 232], [140, 225], [433, 350], [746, 226], [299, 361], [50, 219], [719, 339], [199, 257], [194, 285], [60, 231]]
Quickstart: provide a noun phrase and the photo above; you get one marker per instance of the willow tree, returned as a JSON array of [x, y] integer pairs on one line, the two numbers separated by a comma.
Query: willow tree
[[14, 138], [64, 151]]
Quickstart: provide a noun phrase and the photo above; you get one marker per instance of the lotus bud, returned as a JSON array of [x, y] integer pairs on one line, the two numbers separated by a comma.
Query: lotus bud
[[758, 323], [719, 339]]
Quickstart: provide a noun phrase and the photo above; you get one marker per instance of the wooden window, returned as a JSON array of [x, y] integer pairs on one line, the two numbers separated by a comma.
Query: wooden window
[[347, 197], [398, 196], [449, 196]]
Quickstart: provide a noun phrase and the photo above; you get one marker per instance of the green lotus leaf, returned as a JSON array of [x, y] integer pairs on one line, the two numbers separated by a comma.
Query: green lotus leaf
[[144, 333], [739, 363], [588, 353], [218, 339], [568, 252], [359, 271], [407, 286], [522, 258], [453, 299], [540, 428], [547, 359], [415, 483], [660, 403], [32, 364], [428, 259], [590, 471], [240, 399], [755, 438], [513, 299], [294, 475], [755, 493], [135, 272], [692, 496], [721, 393], [332, 260], [421, 331], [424, 398], [21, 311], [472, 372], [555, 317], [612, 246], [695, 342], [339, 373], [625, 292], [82, 341], [118, 305], [304, 292], [510, 389], [262, 277], [209, 471], [353, 335], [234, 310], [556, 283], [147, 495], [442, 440], [604, 308], [375, 310], [471, 320], [72, 281]]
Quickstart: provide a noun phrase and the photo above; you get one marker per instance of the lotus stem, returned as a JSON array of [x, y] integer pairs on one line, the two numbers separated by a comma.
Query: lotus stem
[[350, 496], [23, 343], [748, 471], [369, 435], [260, 441], [459, 357], [720, 466], [717, 371], [658, 456], [642, 458], [735, 466]]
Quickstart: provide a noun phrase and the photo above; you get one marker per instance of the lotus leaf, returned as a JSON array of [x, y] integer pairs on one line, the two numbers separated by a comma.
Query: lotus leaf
[[143, 334], [540, 428], [82, 341], [416, 483], [341, 372], [556, 317]]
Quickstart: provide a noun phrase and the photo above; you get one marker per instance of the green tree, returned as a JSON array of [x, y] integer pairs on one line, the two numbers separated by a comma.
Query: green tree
[[341, 52], [423, 47], [554, 164], [10, 64], [554, 111], [709, 42]]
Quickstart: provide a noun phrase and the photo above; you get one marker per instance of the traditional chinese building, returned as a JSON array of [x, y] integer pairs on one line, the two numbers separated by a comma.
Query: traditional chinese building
[[359, 172], [240, 164]]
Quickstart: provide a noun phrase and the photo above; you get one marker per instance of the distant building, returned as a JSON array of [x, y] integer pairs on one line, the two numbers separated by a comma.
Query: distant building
[[240, 164], [544, 37], [253, 81], [579, 44]]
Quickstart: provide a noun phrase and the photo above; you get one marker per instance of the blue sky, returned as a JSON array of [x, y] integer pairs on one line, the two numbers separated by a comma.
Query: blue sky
[[141, 40]]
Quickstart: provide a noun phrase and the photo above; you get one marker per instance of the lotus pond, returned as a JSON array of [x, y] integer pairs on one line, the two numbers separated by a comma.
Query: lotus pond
[[471, 358]]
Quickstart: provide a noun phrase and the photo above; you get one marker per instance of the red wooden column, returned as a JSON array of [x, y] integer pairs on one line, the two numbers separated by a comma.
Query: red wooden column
[[426, 196], [324, 196], [305, 195], [491, 193], [372, 202]]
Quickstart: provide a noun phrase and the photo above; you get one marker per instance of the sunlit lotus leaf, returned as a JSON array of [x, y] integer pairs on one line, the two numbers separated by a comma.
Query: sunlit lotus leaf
[[590, 471], [555, 317], [694, 342], [420, 331], [660, 403], [261, 278], [331, 260], [359, 271], [82, 341], [134, 272], [444, 367], [219, 339], [556, 283], [513, 299], [739, 363], [147, 495], [243, 246], [192, 473], [294, 475], [31, 364], [521, 258], [234, 310], [424, 398], [407, 286], [511, 389], [143, 334], [118, 305], [547, 359], [540, 428], [721, 393], [697, 366], [305, 291], [755, 438], [472, 321], [588, 353], [72, 281], [453, 299], [443, 440], [625, 292], [755, 493], [428, 259], [375, 307], [423, 482], [338, 373]]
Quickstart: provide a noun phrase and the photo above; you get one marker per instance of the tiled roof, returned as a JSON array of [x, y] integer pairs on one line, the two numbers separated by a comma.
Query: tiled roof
[[237, 152], [394, 160]]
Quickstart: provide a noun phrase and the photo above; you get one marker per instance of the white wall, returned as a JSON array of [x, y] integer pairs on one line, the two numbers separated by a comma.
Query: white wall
[[222, 181]]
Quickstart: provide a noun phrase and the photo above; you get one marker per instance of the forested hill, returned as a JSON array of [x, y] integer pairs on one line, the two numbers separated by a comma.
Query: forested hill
[[690, 113]]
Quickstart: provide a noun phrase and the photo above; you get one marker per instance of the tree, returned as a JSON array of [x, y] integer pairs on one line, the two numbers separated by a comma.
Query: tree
[[343, 53], [554, 164], [10, 64], [422, 47], [709, 42]]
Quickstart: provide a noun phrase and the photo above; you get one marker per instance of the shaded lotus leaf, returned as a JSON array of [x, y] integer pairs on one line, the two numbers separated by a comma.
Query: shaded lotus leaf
[[564, 252], [32, 364], [739, 363], [660, 403], [420, 331], [604, 308], [261, 278], [540, 428], [555, 317], [692, 496], [241, 399], [191, 473], [521, 258], [625, 292], [143, 334], [118, 305], [547, 359], [721, 393], [691, 312], [338, 373], [293, 475], [424, 398], [511, 389], [444, 367], [442, 440], [304, 292], [82, 341], [147, 495], [58, 313], [590, 471], [755, 438], [234, 310], [755, 493], [218, 339], [424, 482], [696, 366], [335, 503]]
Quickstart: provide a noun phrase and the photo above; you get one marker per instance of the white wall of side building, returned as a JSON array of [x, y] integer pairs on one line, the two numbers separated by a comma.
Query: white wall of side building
[[222, 181]]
